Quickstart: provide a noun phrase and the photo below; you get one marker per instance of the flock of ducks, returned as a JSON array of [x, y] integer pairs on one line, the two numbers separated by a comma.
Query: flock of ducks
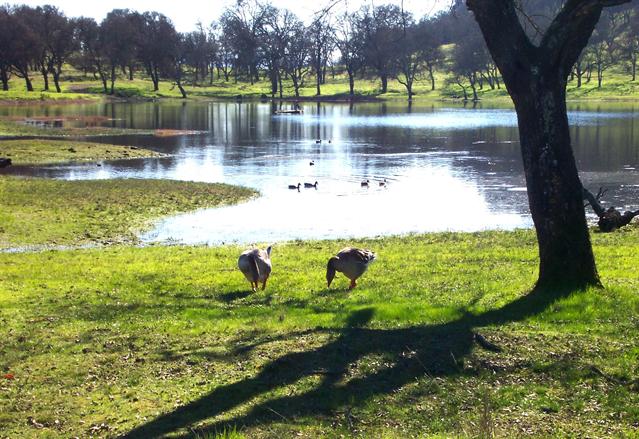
[[364, 183], [256, 266]]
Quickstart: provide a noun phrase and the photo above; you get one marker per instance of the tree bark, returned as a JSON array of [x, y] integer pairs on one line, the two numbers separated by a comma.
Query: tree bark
[[536, 78], [384, 79], [351, 83], [112, 79], [4, 77], [56, 81], [27, 80], [45, 78]]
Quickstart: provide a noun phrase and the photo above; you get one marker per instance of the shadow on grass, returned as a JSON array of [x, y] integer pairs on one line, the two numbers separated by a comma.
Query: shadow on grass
[[235, 295], [434, 350]]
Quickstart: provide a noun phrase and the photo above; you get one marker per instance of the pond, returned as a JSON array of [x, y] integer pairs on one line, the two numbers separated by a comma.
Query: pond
[[446, 167]]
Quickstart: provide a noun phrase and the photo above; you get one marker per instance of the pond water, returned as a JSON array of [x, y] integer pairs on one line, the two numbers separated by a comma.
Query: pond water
[[447, 167]]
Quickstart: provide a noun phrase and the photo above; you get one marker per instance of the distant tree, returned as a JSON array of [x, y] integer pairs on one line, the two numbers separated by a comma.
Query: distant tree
[[380, 27], [201, 52], [37, 20], [350, 45], [6, 37], [428, 34], [242, 26], [297, 55], [24, 46], [602, 45], [119, 36], [281, 28], [629, 40], [181, 50], [468, 59], [225, 58], [155, 44], [91, 54], [54, 33], [409, 56], [322, 43]]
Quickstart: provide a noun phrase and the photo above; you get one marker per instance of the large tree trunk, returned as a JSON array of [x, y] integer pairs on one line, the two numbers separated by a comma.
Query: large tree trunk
[[384, 79], [4, 77], [554, 190], [351, 83], [56, 81], [45, 78], [536, 77], [431, 76], [27, 81], [181, 88], [112, 79]]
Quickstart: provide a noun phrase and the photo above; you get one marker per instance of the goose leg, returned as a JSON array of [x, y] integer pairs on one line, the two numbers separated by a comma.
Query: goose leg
[[264, 284], [353, 284]]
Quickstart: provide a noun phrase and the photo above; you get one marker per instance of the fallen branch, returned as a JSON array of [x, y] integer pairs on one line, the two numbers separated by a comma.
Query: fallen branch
[[609, 219]]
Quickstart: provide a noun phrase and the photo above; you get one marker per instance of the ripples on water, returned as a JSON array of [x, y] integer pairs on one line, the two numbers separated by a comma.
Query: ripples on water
[[447, 168]]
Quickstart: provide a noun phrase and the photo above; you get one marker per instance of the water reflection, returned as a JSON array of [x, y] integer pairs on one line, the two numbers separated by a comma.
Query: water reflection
[[448, 168]]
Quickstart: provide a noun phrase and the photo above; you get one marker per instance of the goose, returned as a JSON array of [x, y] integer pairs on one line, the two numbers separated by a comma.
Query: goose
[[311, 185], [292, 186], [365, 183], [351, 262], [383, 183], [318, 141], [312, 163], [255, 265]]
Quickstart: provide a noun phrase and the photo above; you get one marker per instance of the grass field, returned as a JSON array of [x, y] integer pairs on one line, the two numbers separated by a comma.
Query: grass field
[[46, 151], [617, 85], [168, 341], [36, 212]]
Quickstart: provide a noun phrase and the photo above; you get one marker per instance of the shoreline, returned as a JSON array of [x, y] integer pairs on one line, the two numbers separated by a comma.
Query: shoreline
[[337, 98]]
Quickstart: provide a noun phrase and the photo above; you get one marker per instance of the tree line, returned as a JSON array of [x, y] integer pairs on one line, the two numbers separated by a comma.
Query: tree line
[[254, 40]]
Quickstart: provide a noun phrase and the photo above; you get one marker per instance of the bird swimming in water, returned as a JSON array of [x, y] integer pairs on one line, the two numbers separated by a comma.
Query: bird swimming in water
[[365, 183], [309, 185], [351, 262], [255, 264], [383, 183], [312, 163], [292, 186]]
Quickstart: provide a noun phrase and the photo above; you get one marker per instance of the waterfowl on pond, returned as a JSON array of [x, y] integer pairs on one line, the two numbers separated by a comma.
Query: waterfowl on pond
[[255, 265], [318, 141], [351, 262], [312, 163], [292, 186], [365, 183], [311, 185], [383, 183]]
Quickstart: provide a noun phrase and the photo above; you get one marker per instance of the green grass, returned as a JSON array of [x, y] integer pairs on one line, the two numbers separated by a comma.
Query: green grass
[[12, 128], [45, 151], [53, 212], [169, 340], [617, 85]]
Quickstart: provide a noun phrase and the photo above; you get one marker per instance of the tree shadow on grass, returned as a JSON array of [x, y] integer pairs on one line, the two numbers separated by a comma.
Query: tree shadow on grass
[[235, 295], [434, 350]]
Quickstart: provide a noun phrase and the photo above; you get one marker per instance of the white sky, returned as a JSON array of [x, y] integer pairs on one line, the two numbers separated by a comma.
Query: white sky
[[185, 13]]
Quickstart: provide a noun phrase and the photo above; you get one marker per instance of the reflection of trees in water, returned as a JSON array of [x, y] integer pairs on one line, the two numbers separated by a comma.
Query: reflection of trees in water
[[245, 133]]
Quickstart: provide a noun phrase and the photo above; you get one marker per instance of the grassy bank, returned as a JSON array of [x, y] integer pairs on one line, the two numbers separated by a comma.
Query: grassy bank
[[617, 85], [45, 151], [53, 212], [166, 340]]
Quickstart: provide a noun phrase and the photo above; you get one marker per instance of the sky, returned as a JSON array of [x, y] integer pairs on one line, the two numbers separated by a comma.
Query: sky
[[185, 13]]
